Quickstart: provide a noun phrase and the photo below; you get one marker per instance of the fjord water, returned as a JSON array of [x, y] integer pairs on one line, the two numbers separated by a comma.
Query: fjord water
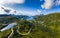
[[11, 25]]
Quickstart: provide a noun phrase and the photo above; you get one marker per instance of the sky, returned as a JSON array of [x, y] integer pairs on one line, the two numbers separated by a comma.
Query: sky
[[30, 7]]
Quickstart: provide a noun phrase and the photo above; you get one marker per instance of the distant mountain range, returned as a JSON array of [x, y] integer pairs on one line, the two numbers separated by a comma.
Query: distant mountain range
[[25, 17]]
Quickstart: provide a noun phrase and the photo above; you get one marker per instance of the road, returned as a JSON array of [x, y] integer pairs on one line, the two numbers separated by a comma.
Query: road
[[11, 33], [25, 33]]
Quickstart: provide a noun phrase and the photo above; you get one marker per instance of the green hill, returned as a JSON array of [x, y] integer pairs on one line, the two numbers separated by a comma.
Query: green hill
[[5, 20], [48, 26], [44, 26]]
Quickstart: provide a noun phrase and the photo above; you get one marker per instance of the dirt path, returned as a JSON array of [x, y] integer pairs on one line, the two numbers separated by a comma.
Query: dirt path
[[11, 33], [25, 33]]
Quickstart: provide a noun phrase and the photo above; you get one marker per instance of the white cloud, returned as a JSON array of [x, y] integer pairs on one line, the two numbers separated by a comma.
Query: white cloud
[[30, 13], [1, 10], [6, 10], [11, 1], [47, 4], [57, 2], [39, 11]]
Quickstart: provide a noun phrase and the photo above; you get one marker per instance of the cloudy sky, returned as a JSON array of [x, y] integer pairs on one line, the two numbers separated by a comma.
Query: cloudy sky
[[30, 7]]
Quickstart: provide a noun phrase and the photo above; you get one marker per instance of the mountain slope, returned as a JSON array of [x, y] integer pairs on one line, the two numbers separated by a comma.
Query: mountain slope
[[45, 26]]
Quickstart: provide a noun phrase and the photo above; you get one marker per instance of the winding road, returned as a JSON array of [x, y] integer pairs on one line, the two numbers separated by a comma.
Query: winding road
[[11, 33], [25, 33]]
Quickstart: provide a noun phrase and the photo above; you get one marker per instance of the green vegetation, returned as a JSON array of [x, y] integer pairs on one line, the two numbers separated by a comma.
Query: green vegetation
[[5, 34], [42, 26], [5, 20]]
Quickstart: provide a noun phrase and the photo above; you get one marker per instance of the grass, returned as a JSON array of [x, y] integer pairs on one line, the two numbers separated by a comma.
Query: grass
[[50, 28]]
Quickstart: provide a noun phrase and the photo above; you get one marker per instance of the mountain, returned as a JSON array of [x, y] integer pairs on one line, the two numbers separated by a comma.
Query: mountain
[[47, 26], [5, 19], [25, 17], [42, 26]]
